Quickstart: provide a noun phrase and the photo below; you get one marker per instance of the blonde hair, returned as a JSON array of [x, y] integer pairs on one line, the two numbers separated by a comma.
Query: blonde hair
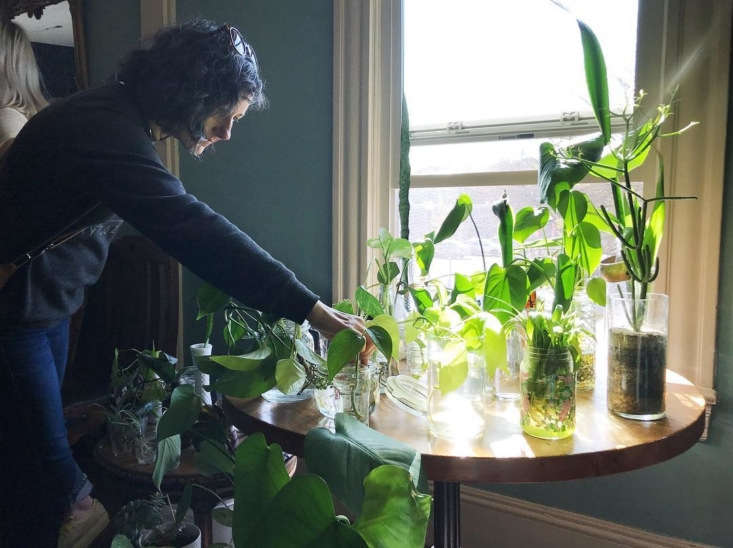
[[20, 78]]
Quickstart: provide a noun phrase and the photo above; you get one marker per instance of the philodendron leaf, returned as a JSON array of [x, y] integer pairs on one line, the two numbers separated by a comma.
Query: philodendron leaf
[[564, 282], [583, 246], [557, 173], [424, 253], [289, 376], [422, 299], [399, 247], [595, 76], [654, 229], [368, 303], [345, 457], [244, 362], [393, 514], [168, 458], [529, 220], [302, 514], [210, 300], [506, 291], [233, 331], [343, 348], [381, 340], [596, 290], [461, 285], [248, 384], [344, 306], [388, 272], [540, 272], [503, 211], [182, 412], [389, 324], [456, 216], [573, 206], [259, 474]]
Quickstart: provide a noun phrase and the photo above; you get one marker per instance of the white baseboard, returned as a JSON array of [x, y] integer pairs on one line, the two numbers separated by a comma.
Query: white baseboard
[[489, 519]]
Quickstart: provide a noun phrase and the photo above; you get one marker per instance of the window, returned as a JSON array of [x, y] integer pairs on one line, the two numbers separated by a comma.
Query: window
[[486, 83]]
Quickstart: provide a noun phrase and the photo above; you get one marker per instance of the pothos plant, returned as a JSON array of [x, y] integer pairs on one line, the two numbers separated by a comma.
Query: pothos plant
[[636, 221]]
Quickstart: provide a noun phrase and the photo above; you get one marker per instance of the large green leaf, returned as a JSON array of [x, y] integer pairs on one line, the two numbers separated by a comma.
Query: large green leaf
[[460, 212], [596, 290], [344, 348], [210, 300], [424, 253], [168, 458], [461, 285], [259, 474], [394, 513], [182, 412], [595, 76], [161, 363], [302, 515], [289, 376], [381, 340], [503, 211], [572, 206], [344, 306], [506, 291], [558, 173], [345, 457], [422, 299], [584, 247], [654, 229], [540, 272], [388, 272], [233, 331], [248, 384], [564, 282], [389, 324], [529, 220], [399, 247], [368, 304], [244, 362]]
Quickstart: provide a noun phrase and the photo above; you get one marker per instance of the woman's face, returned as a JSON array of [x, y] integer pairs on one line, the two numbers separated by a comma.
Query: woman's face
[[217, 127]]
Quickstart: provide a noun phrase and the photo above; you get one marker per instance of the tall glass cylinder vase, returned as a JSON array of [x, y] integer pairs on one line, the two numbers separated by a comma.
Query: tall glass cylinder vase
[[637, 355], [587, 316], [456, 389], [548, 393], [506, 379]]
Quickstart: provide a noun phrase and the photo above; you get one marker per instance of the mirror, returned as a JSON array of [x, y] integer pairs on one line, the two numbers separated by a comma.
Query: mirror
[[56, 32]]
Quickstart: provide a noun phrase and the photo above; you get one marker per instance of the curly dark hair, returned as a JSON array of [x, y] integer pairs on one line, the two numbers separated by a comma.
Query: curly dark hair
[[189, 73]]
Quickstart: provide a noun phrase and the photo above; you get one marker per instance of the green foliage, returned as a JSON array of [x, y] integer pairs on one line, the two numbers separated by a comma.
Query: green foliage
[[344, 348], [168, 458], [182, 413], [506, 291], [460, 212], [529, 220], [506, 230]]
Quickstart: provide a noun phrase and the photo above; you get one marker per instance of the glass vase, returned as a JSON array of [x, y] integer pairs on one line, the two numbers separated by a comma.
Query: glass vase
[[456, 389], [637, 355], [587, 316], [275, 395], [506, 379], [548, 393], [352, 392], [146, 443]]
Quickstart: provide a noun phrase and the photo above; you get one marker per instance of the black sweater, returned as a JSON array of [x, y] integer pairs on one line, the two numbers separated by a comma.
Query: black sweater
[[94, 147]]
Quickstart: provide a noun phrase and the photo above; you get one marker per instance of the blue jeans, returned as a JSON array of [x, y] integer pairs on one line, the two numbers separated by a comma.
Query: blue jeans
[[41, 479]]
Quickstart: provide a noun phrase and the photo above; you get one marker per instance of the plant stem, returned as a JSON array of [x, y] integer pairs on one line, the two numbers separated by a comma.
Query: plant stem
[[481, 246]]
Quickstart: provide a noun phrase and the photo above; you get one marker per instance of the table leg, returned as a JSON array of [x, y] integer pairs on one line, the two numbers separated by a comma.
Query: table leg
[[447, 515]]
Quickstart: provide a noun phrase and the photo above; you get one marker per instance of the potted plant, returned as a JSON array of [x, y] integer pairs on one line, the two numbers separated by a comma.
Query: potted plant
[[637, 318]]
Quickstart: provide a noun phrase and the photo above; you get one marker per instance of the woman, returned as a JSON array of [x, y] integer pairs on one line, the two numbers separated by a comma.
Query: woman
[[20, 83], [91, 156]]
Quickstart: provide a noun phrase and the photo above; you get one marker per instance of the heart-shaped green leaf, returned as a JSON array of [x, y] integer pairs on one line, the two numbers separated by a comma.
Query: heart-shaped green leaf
[[344, 348], [182, 412], [289, 376], [596, 290], [529, 220], [210, 300], [167, 458], [424, 253], [245, 362], [368, 303], [455, 217], [389, 324]]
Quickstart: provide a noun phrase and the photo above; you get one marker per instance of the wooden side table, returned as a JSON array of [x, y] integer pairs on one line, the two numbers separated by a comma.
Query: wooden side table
[[602, 444]]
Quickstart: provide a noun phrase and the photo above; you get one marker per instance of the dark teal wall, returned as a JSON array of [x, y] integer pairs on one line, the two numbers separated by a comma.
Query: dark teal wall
[[273, 179], [112, 29]]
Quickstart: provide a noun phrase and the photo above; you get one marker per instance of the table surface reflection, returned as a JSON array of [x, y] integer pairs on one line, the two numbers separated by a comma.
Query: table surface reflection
[[602, 443]]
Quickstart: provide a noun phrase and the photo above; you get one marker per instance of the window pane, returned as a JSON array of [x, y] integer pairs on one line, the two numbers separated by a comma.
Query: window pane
[[470, 60], [462, 253]]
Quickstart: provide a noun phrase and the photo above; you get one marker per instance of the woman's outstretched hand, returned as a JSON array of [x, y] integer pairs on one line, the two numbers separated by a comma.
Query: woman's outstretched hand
[[329, 321]]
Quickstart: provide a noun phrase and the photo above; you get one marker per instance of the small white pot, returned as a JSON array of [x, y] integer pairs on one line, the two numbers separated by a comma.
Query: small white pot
[[198, 350]]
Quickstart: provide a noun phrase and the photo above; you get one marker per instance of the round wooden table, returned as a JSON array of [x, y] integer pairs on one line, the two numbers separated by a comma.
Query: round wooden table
[[602, 444]]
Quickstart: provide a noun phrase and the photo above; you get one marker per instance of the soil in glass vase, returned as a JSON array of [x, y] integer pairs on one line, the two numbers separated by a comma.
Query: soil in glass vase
[[637, 357], [548, 393]]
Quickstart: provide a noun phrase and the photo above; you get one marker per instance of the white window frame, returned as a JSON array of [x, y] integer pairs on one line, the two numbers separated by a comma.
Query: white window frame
[[672, 30]]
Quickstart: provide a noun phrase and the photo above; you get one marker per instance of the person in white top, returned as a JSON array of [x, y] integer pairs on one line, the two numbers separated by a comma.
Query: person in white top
[[21, 94]]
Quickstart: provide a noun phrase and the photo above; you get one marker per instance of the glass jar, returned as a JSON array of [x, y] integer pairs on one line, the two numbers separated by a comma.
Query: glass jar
[[146, 443], [548, 393], [456, 389], [587, 316], [506, 379], [275, 395], [352, 392], [637, 355]]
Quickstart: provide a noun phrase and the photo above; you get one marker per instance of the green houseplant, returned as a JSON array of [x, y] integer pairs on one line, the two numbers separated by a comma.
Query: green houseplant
[[637, 318]]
